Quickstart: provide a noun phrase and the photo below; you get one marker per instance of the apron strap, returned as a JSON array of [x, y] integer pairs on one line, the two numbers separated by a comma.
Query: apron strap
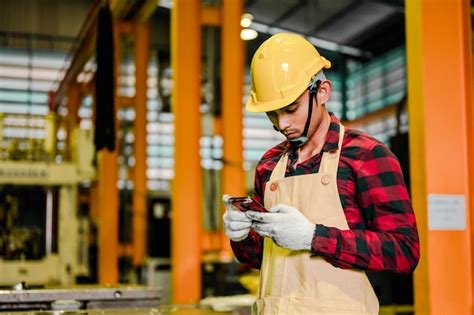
[[280, 169]]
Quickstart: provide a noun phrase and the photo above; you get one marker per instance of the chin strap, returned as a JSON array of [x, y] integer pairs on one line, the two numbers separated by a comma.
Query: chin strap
[[313, 89]]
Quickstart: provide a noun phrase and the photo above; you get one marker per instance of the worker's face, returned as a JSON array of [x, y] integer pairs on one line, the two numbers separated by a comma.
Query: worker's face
[[290, 120]]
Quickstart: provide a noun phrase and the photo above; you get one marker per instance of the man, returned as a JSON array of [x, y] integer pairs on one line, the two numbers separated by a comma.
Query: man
[[336, 199]]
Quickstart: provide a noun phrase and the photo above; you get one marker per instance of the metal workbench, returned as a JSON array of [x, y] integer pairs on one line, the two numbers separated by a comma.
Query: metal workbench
[[80, 298], [93, 300]]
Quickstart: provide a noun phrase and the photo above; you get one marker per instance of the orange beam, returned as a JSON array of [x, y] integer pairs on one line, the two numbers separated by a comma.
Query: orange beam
[[440, 157], [126, 250], [126, 27], [211, 16], [108, 217], [108, 195], [80, 56], [186, 187], [74, 94], [470, 139], [124, 101], [142, 43], [87, 37], [232, 52]]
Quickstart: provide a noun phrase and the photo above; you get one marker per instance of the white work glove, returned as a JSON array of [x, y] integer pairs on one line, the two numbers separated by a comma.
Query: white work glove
[[236, 223], [286, 225]]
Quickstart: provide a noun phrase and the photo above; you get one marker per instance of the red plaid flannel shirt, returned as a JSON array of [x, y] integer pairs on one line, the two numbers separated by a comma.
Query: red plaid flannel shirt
[[382, 231]]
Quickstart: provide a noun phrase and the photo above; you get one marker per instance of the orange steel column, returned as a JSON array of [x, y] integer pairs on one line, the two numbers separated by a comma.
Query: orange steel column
[[470, 150], [142, 43], [186, 187], [74, 99], [439, 100], [414, 56], [232, 51], [108, 197], [108, 217]]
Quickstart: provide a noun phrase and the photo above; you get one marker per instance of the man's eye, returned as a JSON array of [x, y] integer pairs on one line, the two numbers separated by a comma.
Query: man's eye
[[291, 109]]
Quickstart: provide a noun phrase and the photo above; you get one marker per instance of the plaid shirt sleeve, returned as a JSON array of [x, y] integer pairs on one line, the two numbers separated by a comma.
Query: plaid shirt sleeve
[[250, 250], [389, 239]]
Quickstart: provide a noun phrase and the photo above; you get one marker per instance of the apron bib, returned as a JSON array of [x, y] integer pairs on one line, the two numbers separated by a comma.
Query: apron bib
[[292, 282]]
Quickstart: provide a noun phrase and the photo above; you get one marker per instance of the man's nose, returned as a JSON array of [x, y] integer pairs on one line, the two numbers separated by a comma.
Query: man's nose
[[283, 121]]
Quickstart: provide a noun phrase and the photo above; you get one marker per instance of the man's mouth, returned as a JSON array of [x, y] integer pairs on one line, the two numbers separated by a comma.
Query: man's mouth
[[291, 134]]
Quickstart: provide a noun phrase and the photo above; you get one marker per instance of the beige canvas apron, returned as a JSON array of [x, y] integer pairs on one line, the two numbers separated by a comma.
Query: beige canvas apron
[[292, 282]]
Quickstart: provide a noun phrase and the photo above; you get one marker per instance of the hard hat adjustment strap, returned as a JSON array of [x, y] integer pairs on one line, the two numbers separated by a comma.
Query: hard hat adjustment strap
[[310, 112], [313, 89]]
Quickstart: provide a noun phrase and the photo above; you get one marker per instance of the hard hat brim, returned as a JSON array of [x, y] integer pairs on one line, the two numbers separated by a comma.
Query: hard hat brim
[[261, 107]]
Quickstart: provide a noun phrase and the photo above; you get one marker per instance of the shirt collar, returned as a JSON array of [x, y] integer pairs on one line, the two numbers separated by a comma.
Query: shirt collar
[[332, 138]]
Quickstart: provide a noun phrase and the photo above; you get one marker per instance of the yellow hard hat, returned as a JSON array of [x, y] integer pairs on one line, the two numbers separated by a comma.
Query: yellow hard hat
[[281, 70]]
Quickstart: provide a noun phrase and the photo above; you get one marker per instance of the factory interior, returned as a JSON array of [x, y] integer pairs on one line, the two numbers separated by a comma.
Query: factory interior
[[111, 181]]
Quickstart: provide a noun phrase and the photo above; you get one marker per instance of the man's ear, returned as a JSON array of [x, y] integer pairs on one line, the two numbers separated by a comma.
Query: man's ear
[[324, 91]]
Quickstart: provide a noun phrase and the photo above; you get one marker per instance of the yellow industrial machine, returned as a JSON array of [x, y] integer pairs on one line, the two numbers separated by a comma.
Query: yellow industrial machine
[[44, 238]]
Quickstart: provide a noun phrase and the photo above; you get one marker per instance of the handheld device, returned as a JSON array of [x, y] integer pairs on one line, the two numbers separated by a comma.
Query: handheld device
[[246, 203]]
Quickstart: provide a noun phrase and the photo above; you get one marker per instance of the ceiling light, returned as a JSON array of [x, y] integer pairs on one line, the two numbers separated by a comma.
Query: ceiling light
[[165, 4], [246, 20], [248, 34]]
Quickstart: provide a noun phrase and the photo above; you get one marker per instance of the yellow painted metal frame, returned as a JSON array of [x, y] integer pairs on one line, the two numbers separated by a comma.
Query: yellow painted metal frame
[[440, 122], [417, 148]]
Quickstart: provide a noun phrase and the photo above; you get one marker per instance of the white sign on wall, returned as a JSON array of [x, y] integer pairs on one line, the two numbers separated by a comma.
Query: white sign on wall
[[446, 212]]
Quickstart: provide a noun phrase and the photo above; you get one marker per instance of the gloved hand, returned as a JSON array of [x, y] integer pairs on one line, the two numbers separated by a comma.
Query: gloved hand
[[236, 223], [286, 225]]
